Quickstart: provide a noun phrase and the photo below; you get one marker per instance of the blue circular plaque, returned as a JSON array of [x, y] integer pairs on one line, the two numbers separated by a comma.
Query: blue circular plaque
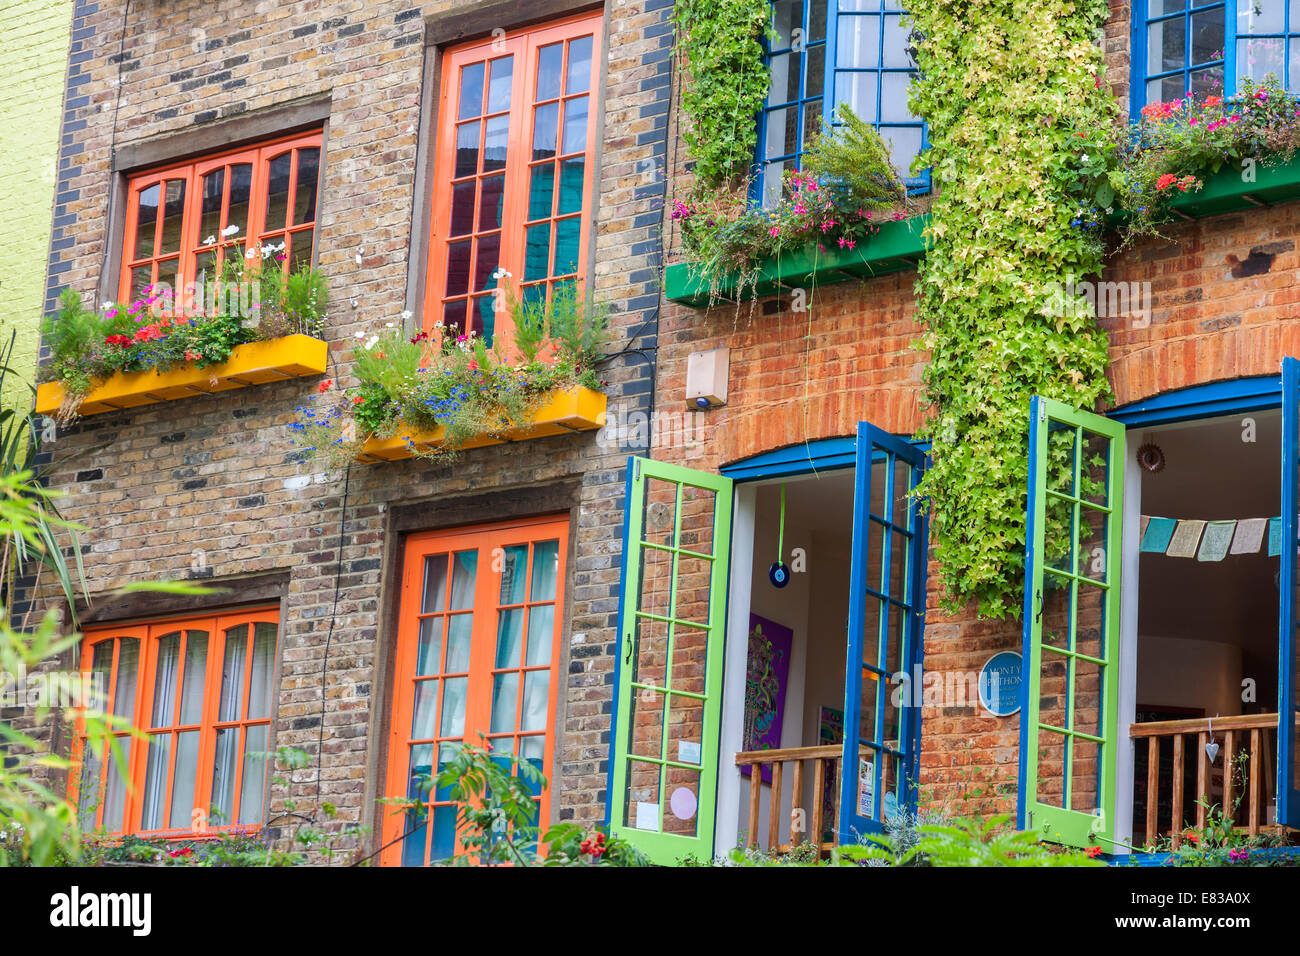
[[1000, 684]]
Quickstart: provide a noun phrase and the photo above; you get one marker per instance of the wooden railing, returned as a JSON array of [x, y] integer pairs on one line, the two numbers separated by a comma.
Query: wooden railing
[[1254, 733], [822, 760]]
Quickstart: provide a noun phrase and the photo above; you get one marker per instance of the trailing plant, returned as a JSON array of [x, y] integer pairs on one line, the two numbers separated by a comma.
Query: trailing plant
[[969, 842], [720, 43], [248, 300], [1176, 143], [1020, 143], [834, 203], [455, 381]]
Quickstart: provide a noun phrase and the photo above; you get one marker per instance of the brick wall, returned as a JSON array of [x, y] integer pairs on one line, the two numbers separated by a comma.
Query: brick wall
[[212, 488], [33, 60]]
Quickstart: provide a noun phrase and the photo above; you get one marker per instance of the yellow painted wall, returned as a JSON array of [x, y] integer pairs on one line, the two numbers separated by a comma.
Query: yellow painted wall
[[33, 65]]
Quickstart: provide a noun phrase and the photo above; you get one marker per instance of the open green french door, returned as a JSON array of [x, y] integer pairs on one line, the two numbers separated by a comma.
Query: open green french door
[[663, 780], [886, 602], [1288, 756], [1069, 713]]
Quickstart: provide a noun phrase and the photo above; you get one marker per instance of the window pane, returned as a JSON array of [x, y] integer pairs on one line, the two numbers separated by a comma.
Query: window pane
[[253, 783], [1206, 81], [546, 122], [463, 577], [513, 574], [241, 186], [277, 198], [816, 21], [541, 187], [549, 65], [895, 42], [426, 699], [304, 197], [232, 674], [428, 655], [196, 666], [467, 149], [458, 268], [1260, 16], [471, 91], [546, 562], [128, 661], [904, 144], [155, 782], [1257, 58], [782, 132], [1207, 35], [259, 695], [173, 214], [815, 75], [460, 630], [578, 79], [858, 92], [462, 208], [537, 686], [858, 42], [488, 254], [1165, 90], [510, 637], [568, 233], [1165, 42], [435, 584], [491, 203], [495, 143], [223, 775], [146, 222], [165, 676], [505, 700], [501, 73], [893, 97], [572, 175], [183, 780], [214, 184], [300, 246], [537, 246], [787, 16], [452, 723], [575, 125], [541, 633]]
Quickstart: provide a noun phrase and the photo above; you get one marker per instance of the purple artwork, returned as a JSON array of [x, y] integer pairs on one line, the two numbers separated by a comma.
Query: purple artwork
[[766, 674]]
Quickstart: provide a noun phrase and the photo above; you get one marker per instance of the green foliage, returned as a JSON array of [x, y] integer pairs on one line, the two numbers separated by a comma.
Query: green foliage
[[568, 844], [1006, 94], [720, 44], [833, 203], [968, 842], [1176, 143]]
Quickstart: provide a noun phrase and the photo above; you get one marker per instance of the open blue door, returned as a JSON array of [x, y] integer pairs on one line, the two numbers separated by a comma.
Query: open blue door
[[1288, 798], [882, 711]]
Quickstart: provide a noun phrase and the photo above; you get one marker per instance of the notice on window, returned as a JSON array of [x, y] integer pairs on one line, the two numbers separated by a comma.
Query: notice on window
[[688, 751], [866, 788], [647, 817]]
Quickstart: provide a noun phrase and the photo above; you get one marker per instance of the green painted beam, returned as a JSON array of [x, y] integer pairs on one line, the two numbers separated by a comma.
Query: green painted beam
[[897, 247], [1227, 191]]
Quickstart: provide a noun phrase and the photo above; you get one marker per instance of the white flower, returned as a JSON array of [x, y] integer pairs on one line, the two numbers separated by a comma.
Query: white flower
[[361, 335], [370, 342], [406, 315], [209, 240], [230, 230], [388, 325], [250, 253], [502, 274]]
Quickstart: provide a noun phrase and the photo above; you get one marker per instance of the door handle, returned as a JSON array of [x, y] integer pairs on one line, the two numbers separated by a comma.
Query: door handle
[[627, 654], [1039, 598]]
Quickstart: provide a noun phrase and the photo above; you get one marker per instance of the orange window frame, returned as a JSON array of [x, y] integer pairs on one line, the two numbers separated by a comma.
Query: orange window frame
[[491, 544], [180, 258], [207, 723], [521, 220]]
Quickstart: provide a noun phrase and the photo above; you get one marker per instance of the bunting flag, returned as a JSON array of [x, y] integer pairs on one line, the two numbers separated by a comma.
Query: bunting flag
[[1209, 540]]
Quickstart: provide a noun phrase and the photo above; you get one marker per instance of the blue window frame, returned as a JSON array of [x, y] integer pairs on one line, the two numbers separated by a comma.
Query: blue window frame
[[827, 52], [1204, 46]]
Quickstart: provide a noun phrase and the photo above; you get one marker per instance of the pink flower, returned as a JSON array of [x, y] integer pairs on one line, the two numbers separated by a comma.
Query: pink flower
[[774, 231]]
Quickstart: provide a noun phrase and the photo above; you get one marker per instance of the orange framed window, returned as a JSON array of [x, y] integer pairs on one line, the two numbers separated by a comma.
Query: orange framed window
[[478, 641], [201, 690], [183, 221], [513, 172]]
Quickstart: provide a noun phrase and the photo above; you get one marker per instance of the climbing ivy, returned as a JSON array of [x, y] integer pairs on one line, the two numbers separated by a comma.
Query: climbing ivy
[[720, 44], [1020, 128]]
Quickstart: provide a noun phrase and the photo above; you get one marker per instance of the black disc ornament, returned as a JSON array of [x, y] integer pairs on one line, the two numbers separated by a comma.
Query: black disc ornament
[[778, 574]]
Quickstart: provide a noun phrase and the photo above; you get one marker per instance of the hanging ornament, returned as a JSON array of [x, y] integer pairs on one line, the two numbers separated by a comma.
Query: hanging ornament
[[1151, 457], [1212, 748], [778, 573]]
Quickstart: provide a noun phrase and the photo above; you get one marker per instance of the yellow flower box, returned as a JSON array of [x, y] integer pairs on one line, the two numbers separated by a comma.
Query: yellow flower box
[[255, 363], [575, 409]]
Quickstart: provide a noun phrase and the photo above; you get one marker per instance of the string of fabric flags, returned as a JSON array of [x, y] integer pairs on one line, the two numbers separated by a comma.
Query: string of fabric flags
[[1209, 540]]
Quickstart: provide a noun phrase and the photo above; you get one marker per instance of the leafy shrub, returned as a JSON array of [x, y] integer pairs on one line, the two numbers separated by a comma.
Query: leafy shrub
[[968, 842]]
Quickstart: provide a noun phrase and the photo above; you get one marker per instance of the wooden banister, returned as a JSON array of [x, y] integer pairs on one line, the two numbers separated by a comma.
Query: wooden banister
[[820, 758]]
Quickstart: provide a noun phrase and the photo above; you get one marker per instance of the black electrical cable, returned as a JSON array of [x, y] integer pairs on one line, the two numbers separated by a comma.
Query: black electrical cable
[[329, 637]]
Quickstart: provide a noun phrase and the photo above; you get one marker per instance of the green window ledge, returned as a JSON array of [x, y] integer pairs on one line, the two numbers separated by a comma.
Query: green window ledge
[[899, 246]]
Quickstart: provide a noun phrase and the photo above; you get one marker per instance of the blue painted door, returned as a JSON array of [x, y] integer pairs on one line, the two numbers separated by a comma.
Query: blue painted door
[[887, 597], [1288, 756]]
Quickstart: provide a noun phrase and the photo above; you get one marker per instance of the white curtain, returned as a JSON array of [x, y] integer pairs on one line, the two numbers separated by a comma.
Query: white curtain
[[164, 707]]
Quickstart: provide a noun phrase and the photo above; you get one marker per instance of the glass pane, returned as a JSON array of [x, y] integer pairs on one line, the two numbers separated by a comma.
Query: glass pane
[[815, 75], [689, 662], [196, 667], [155, 782], [546, 563], [488, 249], [495, 143], [572, 175], [782, 132], [462, 208], [173, 213], [541, 188], [241, 185], [428, 655], [167, 270], [541, 633], [1166, 90], [128, 661], [253, 784], [893, 97], [537, 246], [435, 584], [1207, 35], [537, 690], [682, 789], [259, 696], [214, 184], [1257, 58], [89, 786], [232, 674], [550, 61], [904, 145], [546, 124], [1260, 16], [783, 86], [304, 197], [223, 775], [423, 712], [787, 16], [462, 580], [642, 812], [505, 700], [895, 43], [510, 637], [114, 795], [454, 316], [165, 677], [184, 778], [575, 125], [277, 199], [491, 202], [300, 250], [1165, 45], [500, 73], [101, 676], [514, 568], [471, 91], [858, 92], [568, 233], [578, 79], [467, 149], [147, 222], [816, 21], [858, 42], [452, 723], [460, 629]]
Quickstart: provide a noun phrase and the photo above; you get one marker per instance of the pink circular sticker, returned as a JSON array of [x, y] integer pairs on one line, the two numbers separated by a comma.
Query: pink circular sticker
[[683, 803]]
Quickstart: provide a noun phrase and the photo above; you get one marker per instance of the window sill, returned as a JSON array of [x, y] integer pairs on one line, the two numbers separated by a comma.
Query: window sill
[[897, 247], [574, 409], [254, 363], [1225, 191]]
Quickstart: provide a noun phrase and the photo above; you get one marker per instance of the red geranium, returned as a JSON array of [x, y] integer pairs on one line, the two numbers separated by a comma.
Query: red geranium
[[123, 340]]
